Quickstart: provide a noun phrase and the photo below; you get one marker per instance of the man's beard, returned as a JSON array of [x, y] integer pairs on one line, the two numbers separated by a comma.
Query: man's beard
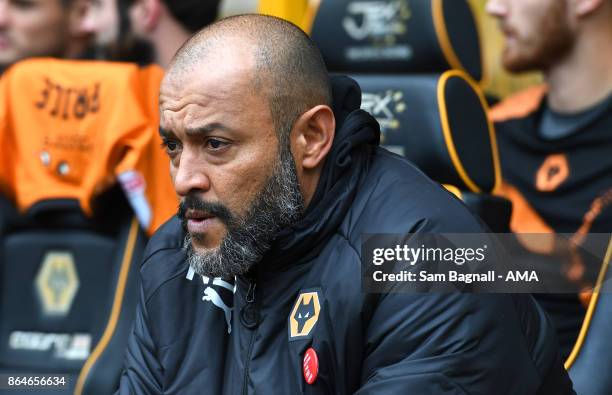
[[552, 41], [277, 205]]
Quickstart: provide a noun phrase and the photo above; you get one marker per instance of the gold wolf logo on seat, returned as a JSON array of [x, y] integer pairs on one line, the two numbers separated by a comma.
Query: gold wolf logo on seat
[[57, 283], [304, 315]]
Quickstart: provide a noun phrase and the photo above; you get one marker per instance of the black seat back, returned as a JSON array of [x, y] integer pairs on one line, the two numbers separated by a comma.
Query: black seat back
[[69, 290], [398, 36], [590, 362], [435, 120]]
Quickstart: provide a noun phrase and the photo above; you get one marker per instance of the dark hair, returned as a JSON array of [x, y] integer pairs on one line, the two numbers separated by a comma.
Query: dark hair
[[193, 14]]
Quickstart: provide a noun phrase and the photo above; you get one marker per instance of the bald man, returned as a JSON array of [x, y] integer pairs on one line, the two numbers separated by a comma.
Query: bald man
[[254, 286]]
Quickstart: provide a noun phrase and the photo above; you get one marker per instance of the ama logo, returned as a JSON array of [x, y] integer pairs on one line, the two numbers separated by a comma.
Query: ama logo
[[304, 315]]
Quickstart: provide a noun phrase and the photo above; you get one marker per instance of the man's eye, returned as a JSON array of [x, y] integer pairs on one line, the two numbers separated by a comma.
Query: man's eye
[[215, 144], [170, 145]]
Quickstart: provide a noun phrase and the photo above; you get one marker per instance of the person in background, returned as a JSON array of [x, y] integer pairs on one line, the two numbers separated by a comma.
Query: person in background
[[555, 139], [35, 28], [145, 31]]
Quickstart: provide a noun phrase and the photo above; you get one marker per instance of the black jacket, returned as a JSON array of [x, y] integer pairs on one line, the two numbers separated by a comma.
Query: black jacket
[[366, 343]]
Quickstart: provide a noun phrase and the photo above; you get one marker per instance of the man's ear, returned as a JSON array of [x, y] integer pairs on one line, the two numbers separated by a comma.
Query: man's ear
[[313, 135], [147, 14], [583, 8]]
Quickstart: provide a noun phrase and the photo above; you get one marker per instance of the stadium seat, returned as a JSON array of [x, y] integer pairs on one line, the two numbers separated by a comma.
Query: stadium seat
[[69, 290], [589, 363], [83, 183], [398, 36], [417, 64], [438, 122]]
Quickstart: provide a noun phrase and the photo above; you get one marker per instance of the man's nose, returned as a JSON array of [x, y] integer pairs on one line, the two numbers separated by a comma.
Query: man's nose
[[87, 21], [4, 13], [191, 175], [497, 8]]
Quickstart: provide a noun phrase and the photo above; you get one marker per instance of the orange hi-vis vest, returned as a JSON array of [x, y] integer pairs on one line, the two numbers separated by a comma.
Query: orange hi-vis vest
[[70, 129]]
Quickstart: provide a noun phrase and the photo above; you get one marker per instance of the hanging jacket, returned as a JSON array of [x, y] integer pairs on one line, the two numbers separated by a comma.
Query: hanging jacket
[[69, 129]]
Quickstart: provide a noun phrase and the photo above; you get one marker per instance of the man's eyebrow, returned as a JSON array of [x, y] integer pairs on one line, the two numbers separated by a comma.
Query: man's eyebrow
[[164, 133], [199, 131], [207, 129]]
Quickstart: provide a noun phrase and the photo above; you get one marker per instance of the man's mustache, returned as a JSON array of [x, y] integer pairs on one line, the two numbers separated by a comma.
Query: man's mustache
[[192, 202]]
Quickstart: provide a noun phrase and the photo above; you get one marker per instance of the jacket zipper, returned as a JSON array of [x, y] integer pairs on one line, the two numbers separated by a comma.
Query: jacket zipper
[[250, 304]]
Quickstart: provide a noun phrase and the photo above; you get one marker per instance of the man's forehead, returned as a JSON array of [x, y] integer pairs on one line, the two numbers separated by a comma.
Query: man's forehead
[[227, 51], [224, 69], [188, 97], [221, 90]]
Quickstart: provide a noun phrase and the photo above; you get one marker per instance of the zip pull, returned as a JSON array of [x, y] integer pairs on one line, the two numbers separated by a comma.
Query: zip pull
[[249, 314], [250, 297]]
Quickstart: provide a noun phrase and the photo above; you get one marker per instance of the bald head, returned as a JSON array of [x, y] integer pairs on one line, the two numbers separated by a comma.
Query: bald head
[[287, 68]]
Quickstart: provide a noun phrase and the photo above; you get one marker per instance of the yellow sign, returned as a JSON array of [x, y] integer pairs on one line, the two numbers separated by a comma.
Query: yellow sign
[[57, 283], [304, 315]]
